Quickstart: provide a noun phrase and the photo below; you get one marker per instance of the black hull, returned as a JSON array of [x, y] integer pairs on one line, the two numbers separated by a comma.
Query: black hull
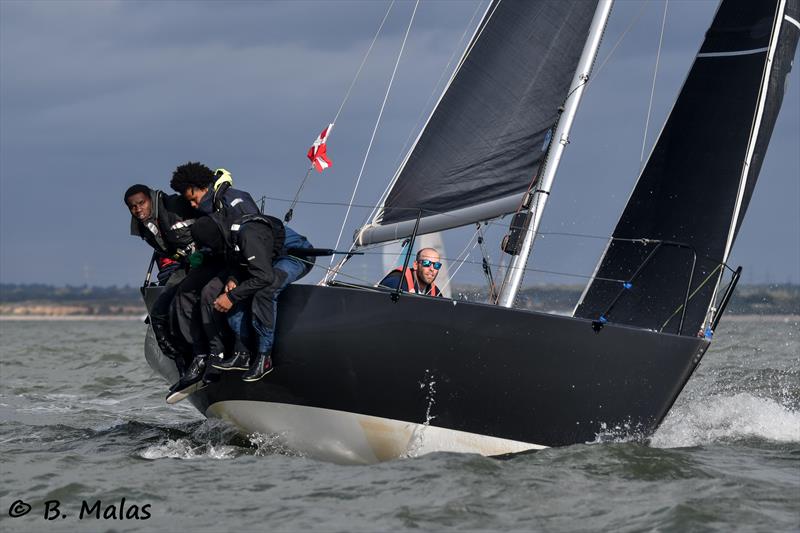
[[531, 377]]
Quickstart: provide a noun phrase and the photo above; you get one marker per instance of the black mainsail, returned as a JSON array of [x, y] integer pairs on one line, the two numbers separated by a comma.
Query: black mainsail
[[695, 187], [486, 137]]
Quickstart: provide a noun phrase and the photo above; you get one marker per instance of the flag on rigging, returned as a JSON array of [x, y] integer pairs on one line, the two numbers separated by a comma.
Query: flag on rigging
[[318, 153]]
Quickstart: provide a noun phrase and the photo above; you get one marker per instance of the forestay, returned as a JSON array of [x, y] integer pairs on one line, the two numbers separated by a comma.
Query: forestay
[[485, 139], [696, 185]]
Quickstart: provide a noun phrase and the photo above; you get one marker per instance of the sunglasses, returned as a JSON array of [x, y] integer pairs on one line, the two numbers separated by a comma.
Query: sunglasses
[[427, 262]]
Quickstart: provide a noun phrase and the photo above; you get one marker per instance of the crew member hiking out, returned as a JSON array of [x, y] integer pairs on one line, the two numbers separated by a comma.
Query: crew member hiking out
[[260, 267], [163, 221], [210, 192], [420, 278]]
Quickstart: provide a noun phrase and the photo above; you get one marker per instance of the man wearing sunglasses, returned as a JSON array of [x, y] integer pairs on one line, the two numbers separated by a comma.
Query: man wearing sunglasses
[[420, 278]]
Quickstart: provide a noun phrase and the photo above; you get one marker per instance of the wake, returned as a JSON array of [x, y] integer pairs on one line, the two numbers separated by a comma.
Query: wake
[[726, 417]]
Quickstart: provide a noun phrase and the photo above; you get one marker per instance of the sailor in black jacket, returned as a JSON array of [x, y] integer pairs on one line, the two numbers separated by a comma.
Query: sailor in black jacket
[[163, 221], [260, 267], [210, 192]]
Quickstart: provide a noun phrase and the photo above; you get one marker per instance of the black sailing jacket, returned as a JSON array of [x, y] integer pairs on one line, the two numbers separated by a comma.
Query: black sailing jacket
[[167, 229], [253, 241], [229, 202]]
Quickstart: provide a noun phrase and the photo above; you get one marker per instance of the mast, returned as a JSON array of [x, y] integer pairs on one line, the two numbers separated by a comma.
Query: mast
[[516, 268]]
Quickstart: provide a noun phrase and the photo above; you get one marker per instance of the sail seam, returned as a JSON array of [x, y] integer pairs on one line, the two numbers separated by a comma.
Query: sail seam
[[734, 53], [791, 20]]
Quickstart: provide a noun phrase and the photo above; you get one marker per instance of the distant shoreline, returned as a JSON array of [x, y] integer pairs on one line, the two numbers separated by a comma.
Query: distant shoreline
[[65, 318], [99, 318]]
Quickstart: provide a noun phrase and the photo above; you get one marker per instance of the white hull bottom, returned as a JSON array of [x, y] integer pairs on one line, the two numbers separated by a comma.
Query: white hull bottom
[[343, 437]]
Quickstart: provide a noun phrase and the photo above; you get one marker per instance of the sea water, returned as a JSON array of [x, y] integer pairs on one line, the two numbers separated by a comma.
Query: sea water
[[86, 432]]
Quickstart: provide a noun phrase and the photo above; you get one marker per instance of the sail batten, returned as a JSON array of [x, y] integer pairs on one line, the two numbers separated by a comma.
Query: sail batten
[[484, 140]]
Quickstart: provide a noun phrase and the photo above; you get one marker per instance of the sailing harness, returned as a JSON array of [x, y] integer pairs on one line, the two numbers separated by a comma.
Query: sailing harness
[[413, 286], [232, 234]]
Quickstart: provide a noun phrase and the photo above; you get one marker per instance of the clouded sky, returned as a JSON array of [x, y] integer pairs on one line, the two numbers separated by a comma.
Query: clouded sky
[[98, 95]]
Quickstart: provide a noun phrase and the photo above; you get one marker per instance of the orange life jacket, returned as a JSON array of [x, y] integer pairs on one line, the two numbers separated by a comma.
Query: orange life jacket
[[412, 286]]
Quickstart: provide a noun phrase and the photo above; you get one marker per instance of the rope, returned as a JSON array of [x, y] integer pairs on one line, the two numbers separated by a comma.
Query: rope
[[619, 41], [466, 255], [375, 129], [680, 307], [289, 213], [653, 88], [363, 61], [476, 36]]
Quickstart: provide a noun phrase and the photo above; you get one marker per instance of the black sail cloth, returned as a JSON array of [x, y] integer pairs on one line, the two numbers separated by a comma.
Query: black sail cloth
[[696, 185], [485, 140]]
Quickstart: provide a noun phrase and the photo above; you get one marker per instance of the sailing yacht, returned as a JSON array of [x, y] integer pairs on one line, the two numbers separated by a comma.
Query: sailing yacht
[[364, 375]]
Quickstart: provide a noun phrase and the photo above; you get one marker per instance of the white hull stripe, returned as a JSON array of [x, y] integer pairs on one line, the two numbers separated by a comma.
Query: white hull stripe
[[793, 21], [344, 437], [737, 53]]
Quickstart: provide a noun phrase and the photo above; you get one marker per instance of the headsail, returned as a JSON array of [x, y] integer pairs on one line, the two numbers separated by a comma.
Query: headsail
[[483, 143], [698, 180]]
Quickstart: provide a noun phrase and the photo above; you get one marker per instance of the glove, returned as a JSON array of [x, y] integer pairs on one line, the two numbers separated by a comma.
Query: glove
[[196, 259]]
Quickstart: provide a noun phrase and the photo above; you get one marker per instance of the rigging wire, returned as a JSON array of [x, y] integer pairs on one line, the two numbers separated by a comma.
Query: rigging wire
[[633, 21], [680, 307], [478, 32], [653, 88], [436, 90], [363, 61], [466, 254], [487, 269], [288, 216], [375, 129], [421, 114]]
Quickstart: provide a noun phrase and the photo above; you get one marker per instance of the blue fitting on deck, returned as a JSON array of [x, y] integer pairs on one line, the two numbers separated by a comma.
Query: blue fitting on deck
[[708, 333], [627, 285], [602, 319]]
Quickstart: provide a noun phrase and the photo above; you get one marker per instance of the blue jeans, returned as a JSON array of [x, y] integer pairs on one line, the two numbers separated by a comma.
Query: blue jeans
[[241, 318]]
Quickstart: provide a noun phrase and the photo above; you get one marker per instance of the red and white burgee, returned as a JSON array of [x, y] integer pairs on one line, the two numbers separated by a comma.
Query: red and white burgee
[[318, 153]]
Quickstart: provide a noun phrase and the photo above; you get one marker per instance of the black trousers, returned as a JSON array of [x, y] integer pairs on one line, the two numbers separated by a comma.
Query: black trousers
[[215, 324], [171, 345], [185, 315]]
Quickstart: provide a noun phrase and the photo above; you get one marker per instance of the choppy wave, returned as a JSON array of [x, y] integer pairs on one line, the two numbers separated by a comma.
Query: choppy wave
[[720, 418], [188, 449]]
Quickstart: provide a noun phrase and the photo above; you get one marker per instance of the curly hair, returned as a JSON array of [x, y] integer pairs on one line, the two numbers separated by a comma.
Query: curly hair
[[191, 174]]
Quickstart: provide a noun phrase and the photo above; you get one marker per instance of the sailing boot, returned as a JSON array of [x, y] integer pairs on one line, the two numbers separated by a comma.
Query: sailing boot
[[191, 381], [259, 367], [237, 361], [211, 375], [180, 364]]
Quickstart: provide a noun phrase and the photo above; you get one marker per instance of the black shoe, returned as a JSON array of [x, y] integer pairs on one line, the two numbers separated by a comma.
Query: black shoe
[[211, 375], [260, 367], [190, 376], [196, 369], [216, 358], [238, 361], [180, 364], [175, 386], [184, 390]]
